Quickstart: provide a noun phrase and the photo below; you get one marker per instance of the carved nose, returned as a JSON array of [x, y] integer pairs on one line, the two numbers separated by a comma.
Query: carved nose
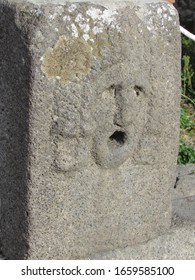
[[116, 139], [111, 142]]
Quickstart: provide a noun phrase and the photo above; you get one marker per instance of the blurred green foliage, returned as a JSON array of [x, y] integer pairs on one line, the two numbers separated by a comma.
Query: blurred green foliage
[[187, 113], [186, 153]]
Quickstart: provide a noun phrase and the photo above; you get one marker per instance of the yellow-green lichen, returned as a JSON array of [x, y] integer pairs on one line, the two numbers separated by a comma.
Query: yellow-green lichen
[[70, 58], [97, 41]]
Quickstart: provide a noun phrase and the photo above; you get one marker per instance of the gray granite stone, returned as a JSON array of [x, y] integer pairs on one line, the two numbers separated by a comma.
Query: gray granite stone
[[177, 244], [184, 192], [185, 181], [89, 124]]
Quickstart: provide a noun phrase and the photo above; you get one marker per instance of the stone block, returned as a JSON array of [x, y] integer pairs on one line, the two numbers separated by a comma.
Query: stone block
[[89, 122]]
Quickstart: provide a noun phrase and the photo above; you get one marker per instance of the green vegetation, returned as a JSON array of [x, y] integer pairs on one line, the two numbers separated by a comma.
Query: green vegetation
[[186, 153], [187, 115]]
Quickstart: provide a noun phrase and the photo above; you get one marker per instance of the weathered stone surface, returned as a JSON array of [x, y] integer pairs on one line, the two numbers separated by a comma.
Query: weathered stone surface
[[177, 244], [89, 125], [184, 192], [185, 182]]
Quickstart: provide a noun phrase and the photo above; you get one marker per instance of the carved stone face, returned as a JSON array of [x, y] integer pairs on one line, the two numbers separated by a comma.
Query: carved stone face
[[100, 123], [125, 106], [102, 93], [95, 142]]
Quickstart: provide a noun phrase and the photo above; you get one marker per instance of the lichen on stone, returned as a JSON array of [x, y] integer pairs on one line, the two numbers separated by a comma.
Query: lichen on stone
[[68, 59]]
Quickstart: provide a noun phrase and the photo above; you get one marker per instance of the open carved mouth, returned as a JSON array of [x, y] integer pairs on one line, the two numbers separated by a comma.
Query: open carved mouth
[[118, 137]]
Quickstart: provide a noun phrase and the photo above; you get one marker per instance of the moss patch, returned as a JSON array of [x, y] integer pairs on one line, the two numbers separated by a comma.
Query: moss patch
[[70, 58]]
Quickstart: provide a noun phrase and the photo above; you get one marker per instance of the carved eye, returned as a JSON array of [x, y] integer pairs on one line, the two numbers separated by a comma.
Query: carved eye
[[138, 90]]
